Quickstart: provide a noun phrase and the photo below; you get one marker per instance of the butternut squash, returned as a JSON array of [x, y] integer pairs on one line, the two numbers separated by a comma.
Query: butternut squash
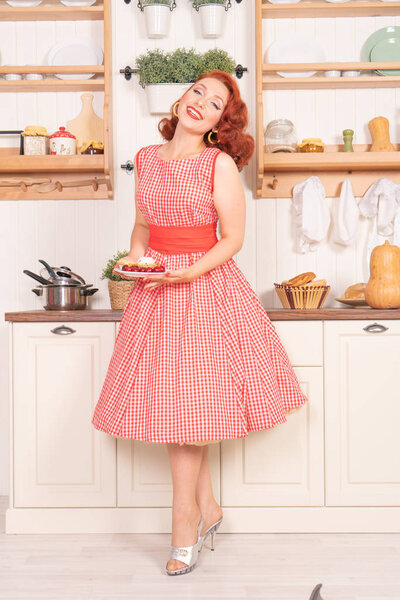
[[383, 287]]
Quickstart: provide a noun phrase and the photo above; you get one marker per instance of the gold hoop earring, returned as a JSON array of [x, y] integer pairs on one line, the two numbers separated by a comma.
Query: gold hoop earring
[[173, 108], [210, 134]]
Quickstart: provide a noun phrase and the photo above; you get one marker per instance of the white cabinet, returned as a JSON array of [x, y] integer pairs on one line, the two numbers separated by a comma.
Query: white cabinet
[[284, 465], [333, 466], [144, 477], [60, 460], [362, 395]]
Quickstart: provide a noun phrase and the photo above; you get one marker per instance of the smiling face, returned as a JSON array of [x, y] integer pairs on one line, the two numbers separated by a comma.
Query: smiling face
[[201, 107]]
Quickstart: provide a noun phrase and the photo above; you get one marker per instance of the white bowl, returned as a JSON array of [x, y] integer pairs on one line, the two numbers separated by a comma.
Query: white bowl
[[33, 76], [12, 76], [332, 73], [350, 73]]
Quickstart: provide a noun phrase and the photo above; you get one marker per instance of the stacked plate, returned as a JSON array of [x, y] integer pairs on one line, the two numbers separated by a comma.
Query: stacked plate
[[384, 46], [295, 48]]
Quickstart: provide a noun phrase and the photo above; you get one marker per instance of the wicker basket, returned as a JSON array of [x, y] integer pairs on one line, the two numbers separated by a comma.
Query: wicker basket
[[302, 296], [119, 293]]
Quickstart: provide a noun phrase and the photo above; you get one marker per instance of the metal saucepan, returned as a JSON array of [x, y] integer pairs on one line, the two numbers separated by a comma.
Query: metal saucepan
[[64, 297]]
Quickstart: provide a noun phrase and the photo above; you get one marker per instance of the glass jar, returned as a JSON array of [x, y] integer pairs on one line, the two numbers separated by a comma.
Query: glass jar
[[280, 136]]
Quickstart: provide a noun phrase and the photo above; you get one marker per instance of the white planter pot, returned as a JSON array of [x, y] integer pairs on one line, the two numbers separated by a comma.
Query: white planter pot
[[161, 96], [158, 17], [212, 19]]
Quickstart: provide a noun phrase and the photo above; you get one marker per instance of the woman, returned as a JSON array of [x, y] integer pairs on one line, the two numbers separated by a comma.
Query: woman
[[196, 359]]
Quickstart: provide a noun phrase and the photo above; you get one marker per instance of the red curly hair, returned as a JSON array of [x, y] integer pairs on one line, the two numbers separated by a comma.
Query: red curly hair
[[231, 137]]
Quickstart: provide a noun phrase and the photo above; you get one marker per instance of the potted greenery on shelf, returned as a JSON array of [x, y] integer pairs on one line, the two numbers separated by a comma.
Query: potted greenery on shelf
[[165, 76], [212, 16], [158, 16], [119, 289]]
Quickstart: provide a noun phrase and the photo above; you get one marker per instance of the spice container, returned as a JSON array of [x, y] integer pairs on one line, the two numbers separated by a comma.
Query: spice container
[[280, 136], [91, 147], [311, 145], [36, 140], [62, 142]]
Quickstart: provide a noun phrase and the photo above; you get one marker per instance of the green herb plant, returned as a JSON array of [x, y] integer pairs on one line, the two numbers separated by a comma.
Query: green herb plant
[[181, 65], [149, 2], [202, 2], [108, 270]]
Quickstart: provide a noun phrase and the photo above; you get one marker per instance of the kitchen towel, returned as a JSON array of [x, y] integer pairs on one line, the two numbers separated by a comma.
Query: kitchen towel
[[381, 202], [346, 218], [312, 216]]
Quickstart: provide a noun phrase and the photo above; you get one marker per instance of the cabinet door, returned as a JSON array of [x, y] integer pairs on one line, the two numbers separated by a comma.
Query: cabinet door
[[144, 475], [362, 390], [284, 465], [60, 460]]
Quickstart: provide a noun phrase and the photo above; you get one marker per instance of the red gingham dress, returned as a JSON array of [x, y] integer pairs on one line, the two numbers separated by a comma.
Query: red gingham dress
[[196, 361]]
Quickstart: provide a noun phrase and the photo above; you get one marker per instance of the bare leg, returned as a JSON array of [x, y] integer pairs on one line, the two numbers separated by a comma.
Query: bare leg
[[185, 466], [210, 509]]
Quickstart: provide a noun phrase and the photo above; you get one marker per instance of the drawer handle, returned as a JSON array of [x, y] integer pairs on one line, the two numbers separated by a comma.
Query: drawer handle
[[375, 328], [63, 329]]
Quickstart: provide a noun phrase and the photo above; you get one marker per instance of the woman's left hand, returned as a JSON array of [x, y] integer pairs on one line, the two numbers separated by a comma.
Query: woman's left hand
[[177, 276]]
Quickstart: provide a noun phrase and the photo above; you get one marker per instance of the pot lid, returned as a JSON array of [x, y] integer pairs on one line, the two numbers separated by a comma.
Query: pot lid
[[64, 277], [62, 132]]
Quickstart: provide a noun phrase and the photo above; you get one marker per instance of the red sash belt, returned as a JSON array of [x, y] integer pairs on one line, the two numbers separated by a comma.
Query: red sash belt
[[176, 240]]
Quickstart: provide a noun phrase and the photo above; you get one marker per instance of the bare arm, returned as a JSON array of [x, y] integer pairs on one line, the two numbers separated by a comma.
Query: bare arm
[[230, 204]]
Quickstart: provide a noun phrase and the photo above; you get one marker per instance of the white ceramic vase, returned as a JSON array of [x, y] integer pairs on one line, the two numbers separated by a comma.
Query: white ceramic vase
[[161, 96], [158, 18], [212, 19]]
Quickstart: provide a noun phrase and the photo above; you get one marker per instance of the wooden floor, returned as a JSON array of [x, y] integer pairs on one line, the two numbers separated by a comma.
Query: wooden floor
[[266, 566]]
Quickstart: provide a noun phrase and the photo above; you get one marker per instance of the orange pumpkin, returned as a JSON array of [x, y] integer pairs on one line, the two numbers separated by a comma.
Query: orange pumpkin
[[383, 287]]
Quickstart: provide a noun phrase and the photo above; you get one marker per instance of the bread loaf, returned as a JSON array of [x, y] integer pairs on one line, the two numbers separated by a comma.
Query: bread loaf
[[357, 290], [301, 279]]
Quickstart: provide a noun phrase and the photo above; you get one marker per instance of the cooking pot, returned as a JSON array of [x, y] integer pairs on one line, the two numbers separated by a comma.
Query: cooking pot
[[64, 296]]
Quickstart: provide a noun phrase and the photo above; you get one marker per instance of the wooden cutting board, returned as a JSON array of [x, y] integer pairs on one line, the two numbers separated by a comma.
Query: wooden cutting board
[[87, 125]]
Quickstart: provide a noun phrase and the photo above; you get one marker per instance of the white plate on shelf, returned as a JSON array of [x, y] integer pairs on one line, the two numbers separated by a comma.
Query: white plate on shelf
[[295, 48], [75, 51], [134, 274], [78, 2], [24, 2]]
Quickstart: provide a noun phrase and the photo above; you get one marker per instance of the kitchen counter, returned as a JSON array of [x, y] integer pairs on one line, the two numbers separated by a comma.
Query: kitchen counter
[[275, 314]]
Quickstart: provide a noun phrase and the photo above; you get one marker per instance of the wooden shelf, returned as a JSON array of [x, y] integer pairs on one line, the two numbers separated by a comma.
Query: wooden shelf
[[319, 81], [332, 159], [52, 12], [362, 165], [56, 167], [12, 163], [54, 85], [278, 173], [327, 9]]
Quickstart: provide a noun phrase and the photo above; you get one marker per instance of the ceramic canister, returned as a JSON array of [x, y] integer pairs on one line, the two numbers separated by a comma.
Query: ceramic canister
[[62, 142]]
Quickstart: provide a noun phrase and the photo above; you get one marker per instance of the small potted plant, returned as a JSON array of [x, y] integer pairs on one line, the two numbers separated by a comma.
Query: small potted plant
[[119, 289], [165, 76], [212, 16], [217, 59], [157, 15]]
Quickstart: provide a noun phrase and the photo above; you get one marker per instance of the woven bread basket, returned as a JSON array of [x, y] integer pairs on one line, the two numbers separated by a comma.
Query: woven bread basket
[[119, 293], [302, 296]]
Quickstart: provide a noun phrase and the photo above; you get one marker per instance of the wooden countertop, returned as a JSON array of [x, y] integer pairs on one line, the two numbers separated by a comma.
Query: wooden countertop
[[275, 314]]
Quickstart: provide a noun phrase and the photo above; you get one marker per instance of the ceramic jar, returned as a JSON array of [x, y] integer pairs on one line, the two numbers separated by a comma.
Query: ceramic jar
[[62, 142]]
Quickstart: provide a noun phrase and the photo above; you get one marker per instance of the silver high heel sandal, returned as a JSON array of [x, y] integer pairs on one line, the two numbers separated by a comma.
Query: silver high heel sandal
[[186, 554], [210, 531]]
